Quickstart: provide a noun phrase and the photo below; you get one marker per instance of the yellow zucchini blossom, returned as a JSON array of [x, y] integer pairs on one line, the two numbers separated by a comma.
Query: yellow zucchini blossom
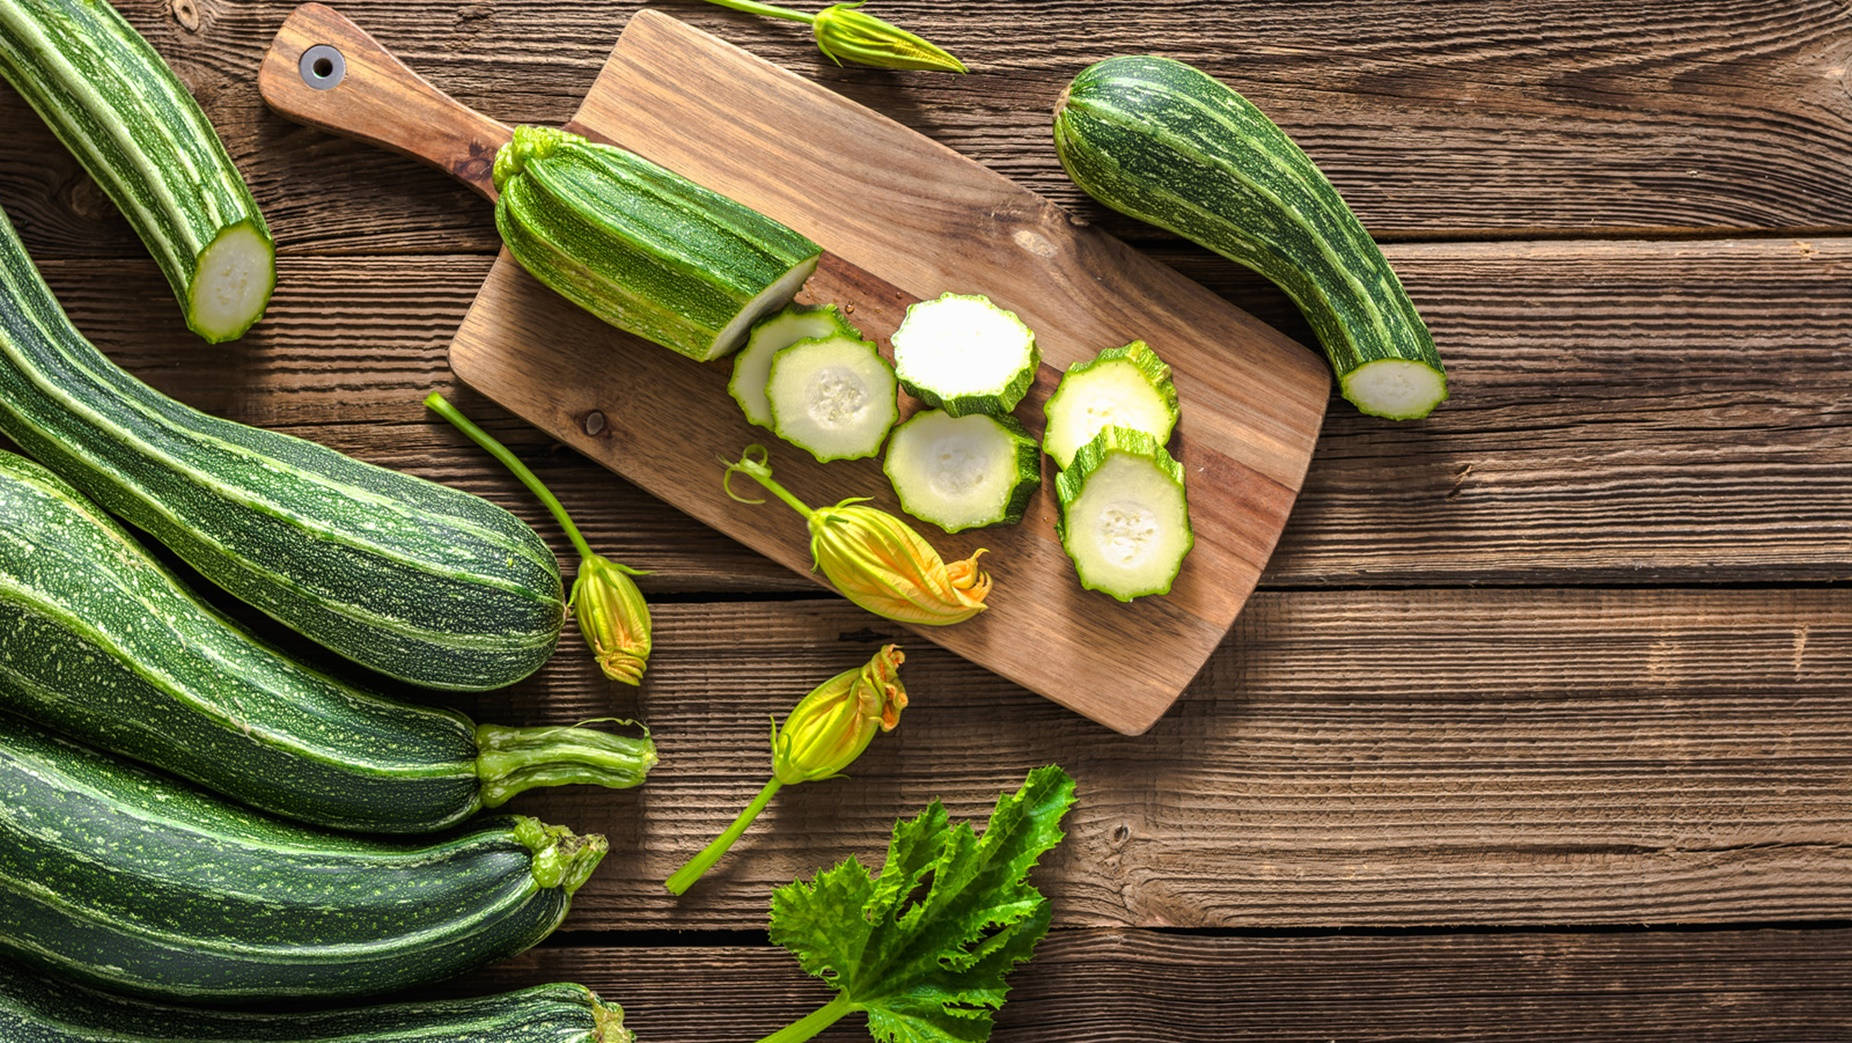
[[876, 560], [613, 618]]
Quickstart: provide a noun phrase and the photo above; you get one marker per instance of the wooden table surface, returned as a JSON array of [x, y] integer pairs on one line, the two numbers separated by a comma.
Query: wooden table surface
[[1541, 725]]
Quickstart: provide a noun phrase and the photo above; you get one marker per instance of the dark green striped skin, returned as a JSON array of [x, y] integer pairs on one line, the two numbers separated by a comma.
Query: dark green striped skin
[[1170, 145], [124, 114], [38, 1009], [641, 247], [102, 643], [134, 882], [420, 582]]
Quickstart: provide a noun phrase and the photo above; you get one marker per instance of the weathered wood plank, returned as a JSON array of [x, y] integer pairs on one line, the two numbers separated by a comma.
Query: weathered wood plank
[[1383, 758], [1096, 986], [1511, 118], [1669, 412]]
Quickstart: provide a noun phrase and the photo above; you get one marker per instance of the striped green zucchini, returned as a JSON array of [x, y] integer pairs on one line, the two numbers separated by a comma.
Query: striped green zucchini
[[420, 582], [133, 882], [641, 247], [99, 641], [1169, 144], [38, 1009], [125, 115]]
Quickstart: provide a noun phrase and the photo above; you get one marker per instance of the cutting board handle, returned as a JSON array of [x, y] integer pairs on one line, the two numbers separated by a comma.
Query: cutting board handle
[[325, 71]]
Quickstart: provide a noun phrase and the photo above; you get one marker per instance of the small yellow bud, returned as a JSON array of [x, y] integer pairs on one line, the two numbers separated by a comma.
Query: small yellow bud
[[845, 32], [613, 618], [830, 727], [878, 561]]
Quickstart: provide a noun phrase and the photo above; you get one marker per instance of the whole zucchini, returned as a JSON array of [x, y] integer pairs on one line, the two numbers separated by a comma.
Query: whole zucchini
[[420, 582], [1171, 145], [134, 882], [38, 1009], [125, 115], [99, 641], [641, 247]]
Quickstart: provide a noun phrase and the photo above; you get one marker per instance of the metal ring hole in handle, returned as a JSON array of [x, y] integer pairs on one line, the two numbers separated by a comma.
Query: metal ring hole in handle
[[322, 67]]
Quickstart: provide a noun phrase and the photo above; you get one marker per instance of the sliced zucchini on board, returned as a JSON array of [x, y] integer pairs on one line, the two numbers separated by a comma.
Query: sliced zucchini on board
[[965, 355], [1120, 387], [1125, 521], [753, 365], [833, 396], [963, 472]]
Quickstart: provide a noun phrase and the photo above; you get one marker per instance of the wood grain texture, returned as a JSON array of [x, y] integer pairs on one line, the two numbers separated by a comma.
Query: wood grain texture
[[861, 184], [1100, 986], [1463, 118], [1378, 758], [1644, 412]]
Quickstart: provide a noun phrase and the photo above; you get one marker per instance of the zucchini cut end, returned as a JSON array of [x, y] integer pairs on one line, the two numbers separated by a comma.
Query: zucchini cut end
[[1395, 389], [769, 300], [232, 281]]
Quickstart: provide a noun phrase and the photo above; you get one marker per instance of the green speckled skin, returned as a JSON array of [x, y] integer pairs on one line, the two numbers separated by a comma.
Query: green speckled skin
[[134, 882], [38, 1009], [639, 246], [420, 582], [99, 641], [1169, 144]]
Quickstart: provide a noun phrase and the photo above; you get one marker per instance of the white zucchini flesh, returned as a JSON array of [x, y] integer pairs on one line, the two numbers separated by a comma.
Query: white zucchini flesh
[[965, 355], [231, 283], [1396, 389], [833, 396], [963, 472], [752, 367], [1125, 520], [769, 300], [1111, 392]]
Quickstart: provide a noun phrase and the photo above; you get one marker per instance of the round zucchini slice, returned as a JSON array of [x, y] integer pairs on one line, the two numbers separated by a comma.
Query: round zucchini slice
[[1120, 387], [833, 396], [752, 367], [1125, 521], [963, 472], [965, 355]]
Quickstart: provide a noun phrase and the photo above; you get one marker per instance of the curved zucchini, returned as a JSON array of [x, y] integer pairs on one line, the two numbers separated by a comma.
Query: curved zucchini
[[99, 641], [38, 1009], [1170, 145], [641, 247], [125, 115], [135, 883], [420, 582]]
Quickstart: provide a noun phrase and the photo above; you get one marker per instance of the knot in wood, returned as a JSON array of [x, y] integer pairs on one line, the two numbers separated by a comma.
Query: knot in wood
[[186, 14]]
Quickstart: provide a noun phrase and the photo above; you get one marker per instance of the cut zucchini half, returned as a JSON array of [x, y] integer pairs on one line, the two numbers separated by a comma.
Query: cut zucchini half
[[1125, 521], [1120, 387], [752, 367], [965, 355], [963, 472], [833, 396]]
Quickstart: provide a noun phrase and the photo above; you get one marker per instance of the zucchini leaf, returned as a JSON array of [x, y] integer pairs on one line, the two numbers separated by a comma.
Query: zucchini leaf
[[923, 948]]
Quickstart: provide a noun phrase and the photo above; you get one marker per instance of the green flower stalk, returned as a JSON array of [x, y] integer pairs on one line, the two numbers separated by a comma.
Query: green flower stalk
[[605, 600], [847, 33], [822, 736]]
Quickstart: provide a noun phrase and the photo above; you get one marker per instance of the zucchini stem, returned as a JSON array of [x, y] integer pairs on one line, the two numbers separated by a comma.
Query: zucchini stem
[[755, 463], [510, 760], [686, 876], [768, 10], [440, 405], [810, 1024]]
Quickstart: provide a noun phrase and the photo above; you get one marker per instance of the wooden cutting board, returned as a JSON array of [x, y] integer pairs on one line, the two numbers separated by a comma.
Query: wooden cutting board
[[902, 218]]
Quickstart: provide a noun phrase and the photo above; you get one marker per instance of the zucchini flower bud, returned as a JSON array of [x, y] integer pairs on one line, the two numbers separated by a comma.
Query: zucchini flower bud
[[613, 618], [844, 31], [877, 560], [611, 611], [836, 721], [822, 735]]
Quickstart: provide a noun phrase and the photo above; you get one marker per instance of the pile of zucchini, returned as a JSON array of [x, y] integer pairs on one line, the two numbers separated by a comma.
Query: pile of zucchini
[[186, 812]]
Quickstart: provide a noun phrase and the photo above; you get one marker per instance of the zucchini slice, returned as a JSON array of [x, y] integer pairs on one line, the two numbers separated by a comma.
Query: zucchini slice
[[1120, 387], [1125, 521], [833, 396], [965, 355], [752, 367], [963, 472]]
